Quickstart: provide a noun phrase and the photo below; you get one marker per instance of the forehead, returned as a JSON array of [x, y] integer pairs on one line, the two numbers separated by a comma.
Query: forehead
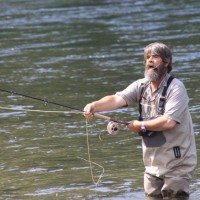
[[151, 50], [152, 54], [149, 54]]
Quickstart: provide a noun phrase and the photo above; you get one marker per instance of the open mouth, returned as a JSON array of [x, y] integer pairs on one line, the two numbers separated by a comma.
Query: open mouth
[[150, 66], [153, 66]]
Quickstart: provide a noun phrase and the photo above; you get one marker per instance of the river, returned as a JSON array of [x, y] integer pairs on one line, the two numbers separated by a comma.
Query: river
[[73, 52]]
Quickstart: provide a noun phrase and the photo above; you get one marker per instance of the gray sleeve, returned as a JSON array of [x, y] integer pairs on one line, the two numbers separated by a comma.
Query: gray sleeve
[[176, 102], [132, 93]]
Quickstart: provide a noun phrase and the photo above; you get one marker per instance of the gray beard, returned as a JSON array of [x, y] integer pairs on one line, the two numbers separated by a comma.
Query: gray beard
[[154, 75]]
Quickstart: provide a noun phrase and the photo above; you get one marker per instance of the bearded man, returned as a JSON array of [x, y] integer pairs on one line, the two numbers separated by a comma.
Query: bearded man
[[164, 124]]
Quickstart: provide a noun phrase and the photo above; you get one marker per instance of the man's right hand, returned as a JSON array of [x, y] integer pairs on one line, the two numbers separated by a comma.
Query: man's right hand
[[88, 111]]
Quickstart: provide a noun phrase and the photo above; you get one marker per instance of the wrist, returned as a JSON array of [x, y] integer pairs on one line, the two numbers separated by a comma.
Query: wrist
[[142, 128], [93, 107], [136, 124]]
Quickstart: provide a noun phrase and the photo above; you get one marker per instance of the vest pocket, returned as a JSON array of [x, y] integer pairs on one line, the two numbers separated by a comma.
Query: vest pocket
[[157, 139]]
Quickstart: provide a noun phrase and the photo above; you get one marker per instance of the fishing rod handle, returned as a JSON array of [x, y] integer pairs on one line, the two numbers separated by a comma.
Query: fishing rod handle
[[110, 119], [102, 116]]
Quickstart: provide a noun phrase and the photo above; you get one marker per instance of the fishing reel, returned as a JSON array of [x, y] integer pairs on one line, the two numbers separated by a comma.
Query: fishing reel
[[113, 127]]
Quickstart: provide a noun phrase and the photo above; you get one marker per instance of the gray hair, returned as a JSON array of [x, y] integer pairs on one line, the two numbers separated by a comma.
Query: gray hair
[[161, 50]]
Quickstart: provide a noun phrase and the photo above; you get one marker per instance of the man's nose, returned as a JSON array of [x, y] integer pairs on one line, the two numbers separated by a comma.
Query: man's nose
[[150, 59]]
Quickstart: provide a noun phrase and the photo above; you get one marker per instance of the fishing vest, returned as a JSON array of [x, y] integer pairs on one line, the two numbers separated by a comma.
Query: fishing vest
[[161, 105]]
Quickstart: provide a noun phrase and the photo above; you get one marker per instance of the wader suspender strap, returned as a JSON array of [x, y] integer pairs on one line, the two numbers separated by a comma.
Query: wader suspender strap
[[162, 98], [161, 102], [140, 106]]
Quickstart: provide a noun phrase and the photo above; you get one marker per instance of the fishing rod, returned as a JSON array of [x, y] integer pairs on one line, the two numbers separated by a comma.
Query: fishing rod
[[65, 106]]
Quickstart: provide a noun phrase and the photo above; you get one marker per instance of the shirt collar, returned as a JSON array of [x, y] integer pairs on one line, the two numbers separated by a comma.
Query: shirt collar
[[163, 83]]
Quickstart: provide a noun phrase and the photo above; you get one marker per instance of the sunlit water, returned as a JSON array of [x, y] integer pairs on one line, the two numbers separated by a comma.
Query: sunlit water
[[74, 52]]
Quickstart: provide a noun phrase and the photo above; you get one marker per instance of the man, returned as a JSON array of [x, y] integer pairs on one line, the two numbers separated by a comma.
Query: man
[[165, 125]]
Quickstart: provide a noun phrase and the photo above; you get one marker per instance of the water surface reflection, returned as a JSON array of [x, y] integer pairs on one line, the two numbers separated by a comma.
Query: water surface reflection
[[74, 52]]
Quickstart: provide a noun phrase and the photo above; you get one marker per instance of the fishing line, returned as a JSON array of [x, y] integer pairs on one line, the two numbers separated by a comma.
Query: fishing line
[[65, 106], [40, 111], [87, 136], [111, 128], [90, 161]]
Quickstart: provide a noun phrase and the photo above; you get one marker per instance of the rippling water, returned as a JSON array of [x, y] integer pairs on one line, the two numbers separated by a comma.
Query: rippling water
[[74, 52]]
